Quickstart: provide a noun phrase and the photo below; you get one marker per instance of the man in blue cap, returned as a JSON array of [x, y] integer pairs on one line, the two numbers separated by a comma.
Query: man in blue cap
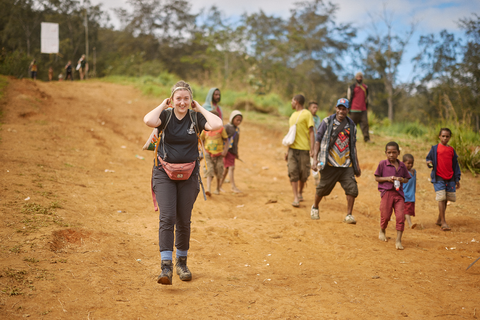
[[338, 160]]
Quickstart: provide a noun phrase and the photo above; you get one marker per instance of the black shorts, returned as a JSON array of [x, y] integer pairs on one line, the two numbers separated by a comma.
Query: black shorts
[[329, 177]]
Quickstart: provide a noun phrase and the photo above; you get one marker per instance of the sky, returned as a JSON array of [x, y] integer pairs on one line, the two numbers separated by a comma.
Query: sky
[[429, 16]]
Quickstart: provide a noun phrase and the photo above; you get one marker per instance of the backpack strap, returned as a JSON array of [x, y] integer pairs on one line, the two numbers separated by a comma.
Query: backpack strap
[[161, 134], [200, 142]]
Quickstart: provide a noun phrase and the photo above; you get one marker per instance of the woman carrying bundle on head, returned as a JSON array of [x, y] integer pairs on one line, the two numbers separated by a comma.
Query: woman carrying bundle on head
[[175, 177]]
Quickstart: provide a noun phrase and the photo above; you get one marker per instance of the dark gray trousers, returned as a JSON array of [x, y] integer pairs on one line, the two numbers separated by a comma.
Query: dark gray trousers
[[175, 202], [362, 119]]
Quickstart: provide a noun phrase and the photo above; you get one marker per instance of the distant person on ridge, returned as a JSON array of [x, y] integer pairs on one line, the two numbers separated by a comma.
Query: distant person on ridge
[[33, 69], [357, 94], [68, 69], [299, 153], [212, 101], [50, 74], [82, 67], [336, 141]]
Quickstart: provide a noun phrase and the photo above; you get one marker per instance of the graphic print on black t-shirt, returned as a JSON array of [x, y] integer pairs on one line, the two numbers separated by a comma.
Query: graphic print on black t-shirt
[[180, 141]]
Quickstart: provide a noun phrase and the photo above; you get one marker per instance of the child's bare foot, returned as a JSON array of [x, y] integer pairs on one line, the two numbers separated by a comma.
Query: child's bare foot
[[221, 190], [382, 236], [235, 190], [398, 245], [216, 192], [413, 226]]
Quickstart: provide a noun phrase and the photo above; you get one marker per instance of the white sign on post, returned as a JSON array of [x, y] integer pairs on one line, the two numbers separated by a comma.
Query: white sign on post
[[49, 37]]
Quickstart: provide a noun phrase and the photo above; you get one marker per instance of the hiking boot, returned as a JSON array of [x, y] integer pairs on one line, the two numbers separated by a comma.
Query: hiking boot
[[314, 213], [349, 219], [182, 269], [167, 272]]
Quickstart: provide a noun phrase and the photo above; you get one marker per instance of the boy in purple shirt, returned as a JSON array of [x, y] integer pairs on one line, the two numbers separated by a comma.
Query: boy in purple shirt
[[390, 175]]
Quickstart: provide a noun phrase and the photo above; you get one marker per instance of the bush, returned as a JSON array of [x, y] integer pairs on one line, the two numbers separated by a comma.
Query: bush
[[14, 63]]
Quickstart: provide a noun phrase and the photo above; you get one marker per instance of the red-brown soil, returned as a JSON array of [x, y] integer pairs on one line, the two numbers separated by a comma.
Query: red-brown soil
[[85, 244]]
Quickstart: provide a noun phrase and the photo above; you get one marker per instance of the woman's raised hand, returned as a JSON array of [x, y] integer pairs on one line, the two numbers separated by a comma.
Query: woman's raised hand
[[195, 106], [166, 102]]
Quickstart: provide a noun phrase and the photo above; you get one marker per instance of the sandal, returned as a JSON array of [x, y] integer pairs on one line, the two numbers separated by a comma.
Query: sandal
[[295, 204], [300, 198]]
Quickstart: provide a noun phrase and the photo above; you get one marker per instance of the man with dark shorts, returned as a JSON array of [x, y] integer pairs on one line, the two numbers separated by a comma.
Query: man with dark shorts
[[299, 153], [336, 140], [357, 94]]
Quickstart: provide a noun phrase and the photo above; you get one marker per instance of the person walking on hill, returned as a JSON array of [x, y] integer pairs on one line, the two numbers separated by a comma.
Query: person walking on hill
[[33, 69], [68, 69], [216, 148], [357, 94], [313, 108], [390, 175], [445, 175], [336, 142], [212, 101], [233, 132], [82, 67], [176, 193], [299, 153]]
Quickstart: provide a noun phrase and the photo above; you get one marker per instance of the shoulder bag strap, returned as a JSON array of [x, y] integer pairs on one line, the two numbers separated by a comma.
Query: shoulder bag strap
[[336, 132], [197, 131], [299, 116], [161, 135], [364, 91]]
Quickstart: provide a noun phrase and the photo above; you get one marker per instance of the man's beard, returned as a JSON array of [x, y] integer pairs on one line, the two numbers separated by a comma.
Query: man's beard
[[359, 81]]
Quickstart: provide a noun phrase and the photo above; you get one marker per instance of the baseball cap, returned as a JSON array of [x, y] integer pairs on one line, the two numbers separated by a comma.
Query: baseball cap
[[343, 102]]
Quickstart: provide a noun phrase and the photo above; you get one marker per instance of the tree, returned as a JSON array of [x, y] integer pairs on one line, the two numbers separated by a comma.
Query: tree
[[450, 68], [384, 52]]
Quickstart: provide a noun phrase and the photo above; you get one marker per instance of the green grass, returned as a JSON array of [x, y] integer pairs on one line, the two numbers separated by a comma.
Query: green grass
[[3, 85], [242, 100]]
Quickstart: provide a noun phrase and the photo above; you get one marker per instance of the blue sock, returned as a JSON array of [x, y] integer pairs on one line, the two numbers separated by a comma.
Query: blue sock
[[166, 255], [181, 253]]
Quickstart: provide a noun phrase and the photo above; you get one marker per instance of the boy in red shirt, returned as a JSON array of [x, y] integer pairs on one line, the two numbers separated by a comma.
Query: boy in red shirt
[[445, 175], [390, 175]]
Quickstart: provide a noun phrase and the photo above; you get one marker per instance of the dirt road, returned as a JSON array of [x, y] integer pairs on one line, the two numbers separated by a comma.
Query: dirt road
[[85, 243]]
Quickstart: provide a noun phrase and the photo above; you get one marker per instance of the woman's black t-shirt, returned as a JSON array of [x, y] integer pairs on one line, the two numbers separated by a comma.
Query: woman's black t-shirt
[[180, 141]]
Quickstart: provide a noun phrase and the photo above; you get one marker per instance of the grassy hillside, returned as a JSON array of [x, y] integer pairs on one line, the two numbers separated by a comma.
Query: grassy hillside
[[272, 110]]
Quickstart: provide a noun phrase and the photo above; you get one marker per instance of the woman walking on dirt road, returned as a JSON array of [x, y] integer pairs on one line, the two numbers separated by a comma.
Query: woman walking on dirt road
[[176, 190]]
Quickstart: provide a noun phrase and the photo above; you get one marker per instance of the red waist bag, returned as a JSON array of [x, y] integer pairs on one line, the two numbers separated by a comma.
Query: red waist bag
[[178, 171]]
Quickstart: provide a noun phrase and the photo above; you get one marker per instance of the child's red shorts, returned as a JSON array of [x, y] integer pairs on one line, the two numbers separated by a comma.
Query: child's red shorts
[[229, 160], [409, 208]]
